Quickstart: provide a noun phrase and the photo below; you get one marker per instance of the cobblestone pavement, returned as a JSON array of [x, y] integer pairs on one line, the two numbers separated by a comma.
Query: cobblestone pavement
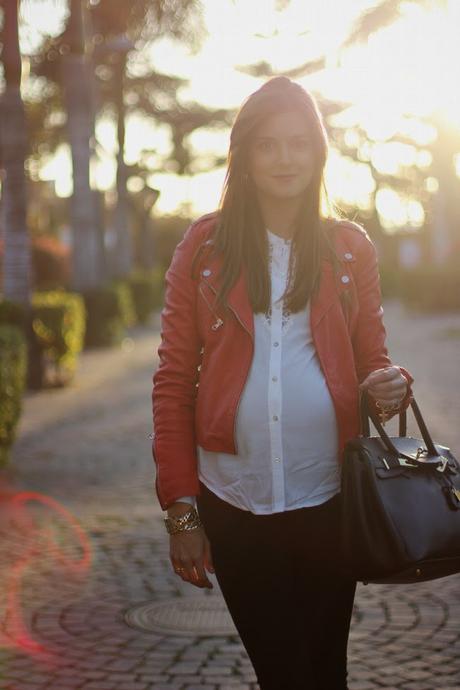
[[91, 544]]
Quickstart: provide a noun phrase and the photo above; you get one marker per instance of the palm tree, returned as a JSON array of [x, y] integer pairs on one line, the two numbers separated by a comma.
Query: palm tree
[[80, 108], [442, 209], [111, 28], [443, 215]]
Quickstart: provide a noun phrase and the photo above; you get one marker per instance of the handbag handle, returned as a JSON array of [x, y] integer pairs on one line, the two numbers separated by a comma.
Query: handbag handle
[[365, 413]]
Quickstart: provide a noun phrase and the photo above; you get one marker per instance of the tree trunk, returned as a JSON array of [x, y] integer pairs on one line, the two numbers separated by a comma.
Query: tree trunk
[[76, 76], [13, 137], [123, 250], [445, 215]]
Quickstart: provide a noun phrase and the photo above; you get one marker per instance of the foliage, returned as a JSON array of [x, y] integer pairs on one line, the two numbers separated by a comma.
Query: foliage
[[128, 312], [147, 292], [12, 314], [169, 230], [13, 362], [58, 323], [116, 26], [109, 311], [51, 263]]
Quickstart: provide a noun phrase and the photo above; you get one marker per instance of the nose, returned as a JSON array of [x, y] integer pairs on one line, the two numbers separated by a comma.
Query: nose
[[284, 153]]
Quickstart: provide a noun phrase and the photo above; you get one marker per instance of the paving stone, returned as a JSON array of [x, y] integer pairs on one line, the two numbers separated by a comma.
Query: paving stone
[[404, 637], [215, 671]]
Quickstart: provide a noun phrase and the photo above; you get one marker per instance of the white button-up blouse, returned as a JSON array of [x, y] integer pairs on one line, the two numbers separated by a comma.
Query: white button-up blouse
[[286, 430]]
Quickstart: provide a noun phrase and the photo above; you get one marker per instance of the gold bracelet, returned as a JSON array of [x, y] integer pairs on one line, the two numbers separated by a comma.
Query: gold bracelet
[[184, 523]]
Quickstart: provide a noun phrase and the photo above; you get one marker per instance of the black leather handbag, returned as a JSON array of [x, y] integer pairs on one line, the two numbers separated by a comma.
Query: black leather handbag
[[401, 504]]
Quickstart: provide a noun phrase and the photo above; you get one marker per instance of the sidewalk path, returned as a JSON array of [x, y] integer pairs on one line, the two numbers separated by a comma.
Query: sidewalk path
[[65, 590]]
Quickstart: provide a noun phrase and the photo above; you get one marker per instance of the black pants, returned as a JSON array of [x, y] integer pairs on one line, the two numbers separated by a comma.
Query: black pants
[[283, 584]]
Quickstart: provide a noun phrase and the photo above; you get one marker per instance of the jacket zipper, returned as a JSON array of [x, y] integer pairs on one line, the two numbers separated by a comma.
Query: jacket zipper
[[219, 321]]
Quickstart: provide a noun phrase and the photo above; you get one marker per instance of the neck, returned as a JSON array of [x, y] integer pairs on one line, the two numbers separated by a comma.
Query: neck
[[280, 215]]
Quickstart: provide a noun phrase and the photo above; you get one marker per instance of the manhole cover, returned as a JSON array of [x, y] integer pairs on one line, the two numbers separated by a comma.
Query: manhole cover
[[193, 616]]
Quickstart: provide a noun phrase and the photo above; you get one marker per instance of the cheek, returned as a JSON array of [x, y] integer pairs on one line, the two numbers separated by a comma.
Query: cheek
[[306, 159], [258, 165]]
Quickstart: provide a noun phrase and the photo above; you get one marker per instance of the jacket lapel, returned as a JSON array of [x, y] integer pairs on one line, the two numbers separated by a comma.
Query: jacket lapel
[[237, 298]]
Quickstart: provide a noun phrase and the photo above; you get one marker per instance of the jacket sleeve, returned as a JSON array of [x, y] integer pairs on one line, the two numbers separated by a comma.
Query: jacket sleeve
[[369, 335], [175, 381]]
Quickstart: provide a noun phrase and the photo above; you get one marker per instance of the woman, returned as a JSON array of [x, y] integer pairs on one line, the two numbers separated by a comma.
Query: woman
[[272, 323]]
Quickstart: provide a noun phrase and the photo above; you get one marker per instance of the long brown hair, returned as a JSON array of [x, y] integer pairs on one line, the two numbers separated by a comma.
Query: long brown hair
[[240, 234]]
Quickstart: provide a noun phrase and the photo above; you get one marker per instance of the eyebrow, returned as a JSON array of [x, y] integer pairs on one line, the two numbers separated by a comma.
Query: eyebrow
[[292, 136]]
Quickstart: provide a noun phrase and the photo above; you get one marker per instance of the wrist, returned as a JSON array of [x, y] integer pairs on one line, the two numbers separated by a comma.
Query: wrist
[[180, 507], [184, 522]]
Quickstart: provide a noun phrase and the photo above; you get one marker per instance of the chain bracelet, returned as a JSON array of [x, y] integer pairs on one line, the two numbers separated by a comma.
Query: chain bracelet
[[184, 523]]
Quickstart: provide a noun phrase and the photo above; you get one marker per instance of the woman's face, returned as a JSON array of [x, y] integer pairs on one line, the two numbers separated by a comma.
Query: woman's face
[[281, 157]]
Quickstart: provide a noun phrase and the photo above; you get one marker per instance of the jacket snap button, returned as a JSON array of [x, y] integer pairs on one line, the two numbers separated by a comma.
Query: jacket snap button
[[348, 256], [206, 272], [345, 279]]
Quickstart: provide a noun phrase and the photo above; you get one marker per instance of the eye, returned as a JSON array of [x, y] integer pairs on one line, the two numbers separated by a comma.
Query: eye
[[265, 146], [302, 143]]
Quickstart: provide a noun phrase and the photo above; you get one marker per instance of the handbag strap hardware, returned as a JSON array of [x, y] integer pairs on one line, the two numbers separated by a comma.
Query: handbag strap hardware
[[453, 497], [365, 413], [442, 466]]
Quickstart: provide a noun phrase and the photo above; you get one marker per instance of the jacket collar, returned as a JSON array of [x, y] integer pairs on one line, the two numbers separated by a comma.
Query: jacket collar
[[328, 294]]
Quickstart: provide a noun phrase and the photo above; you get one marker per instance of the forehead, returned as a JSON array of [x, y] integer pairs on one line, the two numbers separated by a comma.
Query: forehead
[[291, 123]]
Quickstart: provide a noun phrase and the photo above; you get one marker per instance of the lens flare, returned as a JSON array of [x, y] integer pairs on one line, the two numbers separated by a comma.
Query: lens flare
[[38, 543]]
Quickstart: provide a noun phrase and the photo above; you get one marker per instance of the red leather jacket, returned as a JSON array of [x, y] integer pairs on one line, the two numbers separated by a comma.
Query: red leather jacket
[[205, 355]]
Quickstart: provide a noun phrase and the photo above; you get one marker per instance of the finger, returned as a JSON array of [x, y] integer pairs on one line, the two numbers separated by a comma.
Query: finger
[[387, 393], [394, 396], [372, 378], [185, 569], [383, 376], [390, 384], [200, 577]]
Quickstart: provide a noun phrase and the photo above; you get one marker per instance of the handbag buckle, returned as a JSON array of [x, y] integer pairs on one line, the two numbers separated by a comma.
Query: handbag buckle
[[405, 463]]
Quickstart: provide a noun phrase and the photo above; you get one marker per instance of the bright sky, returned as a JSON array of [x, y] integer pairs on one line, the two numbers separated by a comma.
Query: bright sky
[[402, 74]]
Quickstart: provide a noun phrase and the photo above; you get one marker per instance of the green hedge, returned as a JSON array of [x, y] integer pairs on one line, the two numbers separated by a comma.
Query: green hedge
[[147, 292], [13, 363], [12, 314], [58, 321], [109, 311]]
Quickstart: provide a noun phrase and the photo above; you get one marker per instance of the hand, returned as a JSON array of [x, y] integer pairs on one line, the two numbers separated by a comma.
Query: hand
[[190, 556], [387, 386]]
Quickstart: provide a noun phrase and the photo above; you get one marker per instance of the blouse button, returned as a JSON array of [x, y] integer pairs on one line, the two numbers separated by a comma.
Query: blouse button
[[274, 378], [275, 418], [275, 344], [345, 279], [206, 272]]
